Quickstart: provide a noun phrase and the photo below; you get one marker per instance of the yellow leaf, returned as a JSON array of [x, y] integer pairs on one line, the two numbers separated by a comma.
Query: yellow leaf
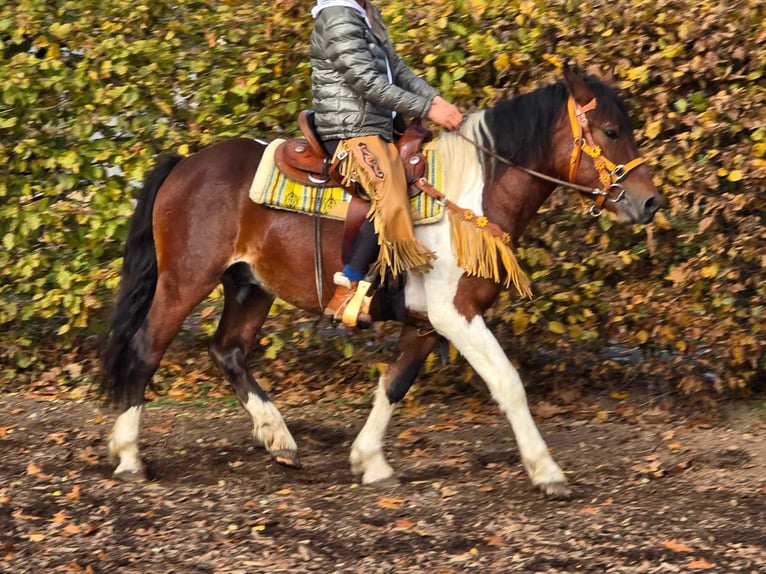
[[709, 271], [653, 129], [735, 175], [620, 395], [642, 336], [556, 327], [36, 537], [430, 58], [502, 62], [183, 149]]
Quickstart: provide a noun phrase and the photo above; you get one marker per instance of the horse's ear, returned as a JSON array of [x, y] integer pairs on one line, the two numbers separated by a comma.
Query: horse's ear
[[576, 86]]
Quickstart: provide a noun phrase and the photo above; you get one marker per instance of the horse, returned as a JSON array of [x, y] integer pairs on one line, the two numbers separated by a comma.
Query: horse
[[194, 228]]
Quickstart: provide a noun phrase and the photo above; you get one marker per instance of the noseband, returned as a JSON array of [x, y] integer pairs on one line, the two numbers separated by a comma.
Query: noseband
[[609, 174]]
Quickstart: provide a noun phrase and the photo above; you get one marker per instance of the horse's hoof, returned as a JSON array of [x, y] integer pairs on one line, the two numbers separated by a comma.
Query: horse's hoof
[[287, 457], [388, 482], [130, 475], [555, 491]]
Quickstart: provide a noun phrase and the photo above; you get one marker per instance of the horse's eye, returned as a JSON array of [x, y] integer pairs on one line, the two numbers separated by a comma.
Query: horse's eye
[[611, 133]]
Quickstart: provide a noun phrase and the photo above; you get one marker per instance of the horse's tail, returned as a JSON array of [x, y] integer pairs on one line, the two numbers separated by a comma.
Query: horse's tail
[[137, 286]]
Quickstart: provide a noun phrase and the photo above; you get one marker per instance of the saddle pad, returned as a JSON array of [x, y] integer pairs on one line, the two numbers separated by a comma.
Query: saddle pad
[[270, 187]]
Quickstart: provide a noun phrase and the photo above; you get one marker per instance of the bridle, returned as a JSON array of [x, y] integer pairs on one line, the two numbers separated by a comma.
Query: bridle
[[610, 174]]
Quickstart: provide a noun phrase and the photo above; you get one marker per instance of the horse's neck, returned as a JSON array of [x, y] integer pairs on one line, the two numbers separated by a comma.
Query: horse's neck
[[513, 200]]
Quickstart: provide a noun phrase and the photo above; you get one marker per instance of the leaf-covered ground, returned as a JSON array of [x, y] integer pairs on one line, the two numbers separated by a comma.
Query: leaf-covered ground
[[656, 491]]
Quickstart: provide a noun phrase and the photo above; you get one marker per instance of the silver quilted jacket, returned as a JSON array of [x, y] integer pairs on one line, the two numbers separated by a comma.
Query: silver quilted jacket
[[352, 95]]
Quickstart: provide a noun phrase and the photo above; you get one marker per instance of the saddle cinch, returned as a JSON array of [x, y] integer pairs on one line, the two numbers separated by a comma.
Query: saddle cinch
[[305, 160]]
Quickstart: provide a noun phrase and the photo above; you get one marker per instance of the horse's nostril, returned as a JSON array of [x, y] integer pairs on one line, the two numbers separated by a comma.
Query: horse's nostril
[[651, 205]]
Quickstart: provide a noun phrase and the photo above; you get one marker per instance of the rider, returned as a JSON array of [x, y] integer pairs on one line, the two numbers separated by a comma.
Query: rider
[[359, 85]]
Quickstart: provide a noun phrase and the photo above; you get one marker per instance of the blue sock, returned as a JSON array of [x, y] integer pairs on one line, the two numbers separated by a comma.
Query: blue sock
[[352, 274]]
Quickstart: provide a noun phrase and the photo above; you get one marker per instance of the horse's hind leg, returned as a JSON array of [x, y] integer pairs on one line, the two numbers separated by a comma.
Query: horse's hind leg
[[246, 306], [148, 345], [367, 456]]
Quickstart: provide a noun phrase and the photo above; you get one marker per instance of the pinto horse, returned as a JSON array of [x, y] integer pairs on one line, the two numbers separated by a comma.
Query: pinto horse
[[194, 226]]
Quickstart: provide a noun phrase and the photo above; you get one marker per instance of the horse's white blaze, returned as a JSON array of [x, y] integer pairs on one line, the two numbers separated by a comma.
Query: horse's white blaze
[[123, 442], [367, 451], [269, 427]]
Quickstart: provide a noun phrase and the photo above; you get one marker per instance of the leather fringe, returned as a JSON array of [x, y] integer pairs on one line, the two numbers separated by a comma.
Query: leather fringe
[[399, 250], [483, 254]]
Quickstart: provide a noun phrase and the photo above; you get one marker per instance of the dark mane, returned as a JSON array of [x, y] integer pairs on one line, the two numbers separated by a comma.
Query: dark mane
[[521, 128]]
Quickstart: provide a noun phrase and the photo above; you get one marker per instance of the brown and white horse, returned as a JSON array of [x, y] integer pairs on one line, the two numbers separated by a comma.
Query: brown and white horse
[[195, 227]]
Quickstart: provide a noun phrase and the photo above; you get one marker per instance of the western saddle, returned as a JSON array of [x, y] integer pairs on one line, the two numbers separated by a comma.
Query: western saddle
[[305, 160]]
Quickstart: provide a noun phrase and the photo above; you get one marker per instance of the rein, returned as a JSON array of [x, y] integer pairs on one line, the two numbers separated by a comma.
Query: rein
[[610, 174]]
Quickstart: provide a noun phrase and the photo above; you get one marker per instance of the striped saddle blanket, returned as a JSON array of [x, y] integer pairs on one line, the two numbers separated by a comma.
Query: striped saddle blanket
[[272, 188]]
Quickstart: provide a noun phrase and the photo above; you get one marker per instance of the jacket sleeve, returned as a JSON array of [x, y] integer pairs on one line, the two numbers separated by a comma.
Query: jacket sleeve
[[406, 79], [346, 47]]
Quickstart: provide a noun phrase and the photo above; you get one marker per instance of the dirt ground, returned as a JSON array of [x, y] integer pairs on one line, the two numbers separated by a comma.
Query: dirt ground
[[654, 492]]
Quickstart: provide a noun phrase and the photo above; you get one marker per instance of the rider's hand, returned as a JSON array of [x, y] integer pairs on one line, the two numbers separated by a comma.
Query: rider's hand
[[445, 114]]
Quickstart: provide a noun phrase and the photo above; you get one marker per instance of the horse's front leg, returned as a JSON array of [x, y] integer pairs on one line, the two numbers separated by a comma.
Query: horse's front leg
[[478, 345], [367, 456]]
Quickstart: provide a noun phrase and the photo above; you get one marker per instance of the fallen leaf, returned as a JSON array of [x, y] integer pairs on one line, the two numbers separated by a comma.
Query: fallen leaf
[[36, 537], [403, 524], [60, 517], [57, 437], [160, 430], [4, 430], [700, 563], [33, 469], [70, 530], [496, 540], [74, 494], [546, 410], [89, 455], [676, 546], [284, 491], [390, 503], [589, 510], [447, 491]]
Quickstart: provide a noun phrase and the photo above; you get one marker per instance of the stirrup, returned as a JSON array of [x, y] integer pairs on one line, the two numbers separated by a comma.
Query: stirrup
[[354, 306]]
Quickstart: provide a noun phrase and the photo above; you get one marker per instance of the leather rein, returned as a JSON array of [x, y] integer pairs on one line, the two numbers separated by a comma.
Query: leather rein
[[610, 174]]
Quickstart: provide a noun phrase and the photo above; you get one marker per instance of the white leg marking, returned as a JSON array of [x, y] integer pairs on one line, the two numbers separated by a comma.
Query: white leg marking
[[367, 451], [482, 350], [123, 442], [269, 427]]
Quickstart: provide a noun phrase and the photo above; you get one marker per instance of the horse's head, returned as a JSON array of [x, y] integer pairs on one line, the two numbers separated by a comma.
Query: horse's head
[[604, 155]]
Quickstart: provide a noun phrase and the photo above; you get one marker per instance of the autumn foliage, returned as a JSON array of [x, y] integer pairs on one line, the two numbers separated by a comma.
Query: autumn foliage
[[91, 92]]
